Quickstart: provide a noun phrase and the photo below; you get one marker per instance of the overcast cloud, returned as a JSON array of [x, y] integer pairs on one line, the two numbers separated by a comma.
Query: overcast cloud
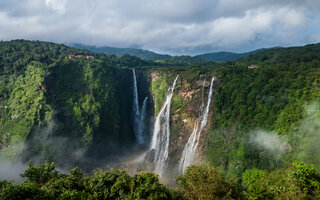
[[174, 26]]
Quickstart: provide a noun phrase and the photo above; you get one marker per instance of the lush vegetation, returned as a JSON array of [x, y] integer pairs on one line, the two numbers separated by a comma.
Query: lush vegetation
[[267, 116], [58, 105], [26, 107], [300, 181], [45, 182]]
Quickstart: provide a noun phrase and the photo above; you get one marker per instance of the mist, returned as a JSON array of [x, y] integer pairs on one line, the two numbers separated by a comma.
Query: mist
[[11, 170], [309, 134], [301, 142], [42, 146], [270, 141]]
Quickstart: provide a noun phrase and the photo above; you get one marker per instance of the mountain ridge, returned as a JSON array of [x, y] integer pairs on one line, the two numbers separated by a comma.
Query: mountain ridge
[[220, 56], [141, 53]]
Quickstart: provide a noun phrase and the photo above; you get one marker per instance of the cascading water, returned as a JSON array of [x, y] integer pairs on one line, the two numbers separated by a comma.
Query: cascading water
[[189, 151], [139, 117], [161, 134], [141, 126]]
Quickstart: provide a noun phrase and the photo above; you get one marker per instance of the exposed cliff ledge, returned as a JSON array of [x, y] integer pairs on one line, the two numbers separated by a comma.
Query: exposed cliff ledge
[[190, 95]]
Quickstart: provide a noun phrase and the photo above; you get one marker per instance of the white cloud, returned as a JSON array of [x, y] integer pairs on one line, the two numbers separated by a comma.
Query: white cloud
[[57, 5], [163, 25]]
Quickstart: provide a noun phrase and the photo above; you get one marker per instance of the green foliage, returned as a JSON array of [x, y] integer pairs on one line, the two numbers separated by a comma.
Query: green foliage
[[301, 181], [280, 96], [249, 176], [26, 107], [252, 179], [147, 186], [44, 94], [27, 190], [307, 179], [113, 184], [271, 97], [298, 182], [40, 175], [44, 182], [85, 98], [159, 88], [206, 182], [70, 186], [177, 102]]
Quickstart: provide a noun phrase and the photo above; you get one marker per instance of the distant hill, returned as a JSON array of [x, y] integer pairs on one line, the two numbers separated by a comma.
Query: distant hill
[[222, 56], [227, 56], [143, 54], [186, 60]]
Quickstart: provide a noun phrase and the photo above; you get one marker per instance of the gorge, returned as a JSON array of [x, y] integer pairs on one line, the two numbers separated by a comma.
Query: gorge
[[119, 109]]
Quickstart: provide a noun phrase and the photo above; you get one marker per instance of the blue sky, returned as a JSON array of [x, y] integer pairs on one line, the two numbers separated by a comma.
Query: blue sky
[[165, 26]]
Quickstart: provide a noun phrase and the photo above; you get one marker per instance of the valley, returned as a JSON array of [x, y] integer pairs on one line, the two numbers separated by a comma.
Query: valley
[[161, 117]]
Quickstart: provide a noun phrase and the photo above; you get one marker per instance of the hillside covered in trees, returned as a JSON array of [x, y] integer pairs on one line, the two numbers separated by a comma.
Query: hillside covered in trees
[[267, 116], [262, 142]]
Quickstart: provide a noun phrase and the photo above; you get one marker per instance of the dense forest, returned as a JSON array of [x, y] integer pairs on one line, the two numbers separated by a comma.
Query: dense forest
[[270, 112], [299, 181], [263, 141], [43, 93]]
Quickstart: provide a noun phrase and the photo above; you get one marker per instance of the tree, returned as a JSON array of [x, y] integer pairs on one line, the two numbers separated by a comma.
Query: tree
[[307, 180], [112, 184], [42, 174], [206, 182], [146, 186]]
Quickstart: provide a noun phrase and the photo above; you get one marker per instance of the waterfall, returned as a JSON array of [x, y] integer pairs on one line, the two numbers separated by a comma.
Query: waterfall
[[135, 106], [138, 117], [189, 151], [141, 126], [161, 134]]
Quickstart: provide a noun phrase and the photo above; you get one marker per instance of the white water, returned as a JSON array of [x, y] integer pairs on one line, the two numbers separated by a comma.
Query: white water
[[161, 134], [141, 126], [139, 117], [189, 151]]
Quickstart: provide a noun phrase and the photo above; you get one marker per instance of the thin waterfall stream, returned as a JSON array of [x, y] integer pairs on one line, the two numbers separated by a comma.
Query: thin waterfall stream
[[189, 151]]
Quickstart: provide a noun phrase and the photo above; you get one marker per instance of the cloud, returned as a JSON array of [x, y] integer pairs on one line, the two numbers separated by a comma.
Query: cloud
[[57, 5], [176, 26], [270, 141]]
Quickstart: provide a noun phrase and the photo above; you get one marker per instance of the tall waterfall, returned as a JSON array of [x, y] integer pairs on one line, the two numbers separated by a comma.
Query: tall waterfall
[[189, 151], [138, 117], [161, 134], [141, 126]]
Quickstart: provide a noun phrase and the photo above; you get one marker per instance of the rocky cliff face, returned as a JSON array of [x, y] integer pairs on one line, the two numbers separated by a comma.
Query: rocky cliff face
[[190, 96], [66, 112], [91, 116]]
